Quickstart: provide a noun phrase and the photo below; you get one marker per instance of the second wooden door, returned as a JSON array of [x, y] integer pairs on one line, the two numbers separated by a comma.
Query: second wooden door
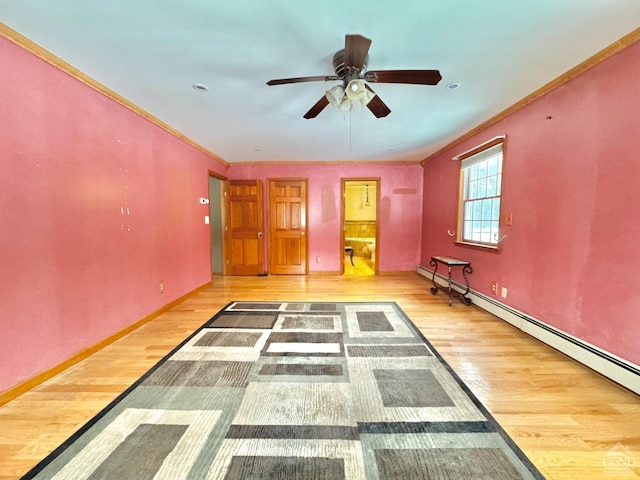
[[288, 226]]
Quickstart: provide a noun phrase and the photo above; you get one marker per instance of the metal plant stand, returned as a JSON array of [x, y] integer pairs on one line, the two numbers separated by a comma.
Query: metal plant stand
[[449, 290]]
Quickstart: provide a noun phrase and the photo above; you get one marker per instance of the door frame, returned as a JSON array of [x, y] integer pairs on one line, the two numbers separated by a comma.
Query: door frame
[[343, 191]]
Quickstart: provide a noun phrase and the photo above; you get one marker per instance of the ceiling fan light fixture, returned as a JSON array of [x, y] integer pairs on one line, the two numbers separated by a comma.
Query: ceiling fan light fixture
[[355, 89], [335, 95], [338, 99], [345, 104]]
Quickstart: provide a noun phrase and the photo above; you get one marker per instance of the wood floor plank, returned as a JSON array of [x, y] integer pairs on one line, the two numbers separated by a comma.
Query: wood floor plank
[[564, 416]]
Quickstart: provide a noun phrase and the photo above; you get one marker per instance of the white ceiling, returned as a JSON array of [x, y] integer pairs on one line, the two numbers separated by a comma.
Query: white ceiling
[[152, 51]]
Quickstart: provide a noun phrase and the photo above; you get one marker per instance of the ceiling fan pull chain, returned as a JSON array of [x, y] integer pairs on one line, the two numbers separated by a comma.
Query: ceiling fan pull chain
[[350, 144]]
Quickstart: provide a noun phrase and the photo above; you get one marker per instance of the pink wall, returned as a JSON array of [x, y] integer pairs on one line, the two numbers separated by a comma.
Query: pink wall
[[400, 218], [571, 258], [74, 269]]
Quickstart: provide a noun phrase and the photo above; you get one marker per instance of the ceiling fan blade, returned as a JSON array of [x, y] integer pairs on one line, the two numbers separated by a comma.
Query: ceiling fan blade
[[317, 108], [356, 48], [377, 106], [319, 78], [417, 77]]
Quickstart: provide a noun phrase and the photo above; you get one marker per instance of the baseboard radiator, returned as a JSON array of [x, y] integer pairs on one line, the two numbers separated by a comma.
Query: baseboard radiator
[[615, 368]]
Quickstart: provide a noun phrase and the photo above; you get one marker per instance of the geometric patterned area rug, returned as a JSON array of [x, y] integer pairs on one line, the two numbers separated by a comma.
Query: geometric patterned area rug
[[295, 390]]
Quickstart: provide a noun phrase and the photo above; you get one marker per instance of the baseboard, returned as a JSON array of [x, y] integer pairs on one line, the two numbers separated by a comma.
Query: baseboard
[[31, 383], [607, 364], [396, 272], [331, 273]]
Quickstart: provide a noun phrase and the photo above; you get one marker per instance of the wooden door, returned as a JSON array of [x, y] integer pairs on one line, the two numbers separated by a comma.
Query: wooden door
[[288, 226], [244, 228]]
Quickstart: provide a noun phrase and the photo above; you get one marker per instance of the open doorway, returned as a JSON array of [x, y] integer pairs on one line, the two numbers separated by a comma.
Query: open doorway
[[215, 224], [360, 226]]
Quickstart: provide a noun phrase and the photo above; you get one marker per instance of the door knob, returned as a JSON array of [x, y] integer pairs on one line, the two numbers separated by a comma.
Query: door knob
[[259, 234], [302, 234]]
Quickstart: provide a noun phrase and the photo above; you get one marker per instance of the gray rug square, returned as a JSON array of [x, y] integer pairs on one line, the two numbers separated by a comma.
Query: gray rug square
[[249, 320], [304, 343], [301, 369], [307, 322], [387, 351], [373, 322], [255, 306], [411, 388], [294, 307], [322, 307], [445, 464], [151, 442], [228, 339], [268, 468], [200, 374]]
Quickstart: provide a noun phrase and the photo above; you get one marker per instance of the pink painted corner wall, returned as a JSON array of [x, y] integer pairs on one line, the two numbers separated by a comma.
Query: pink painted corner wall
[[571, 257], [98, 206], [399, 223]]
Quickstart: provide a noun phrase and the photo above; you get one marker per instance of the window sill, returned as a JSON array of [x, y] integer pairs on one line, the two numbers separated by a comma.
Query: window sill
[[478, 246]]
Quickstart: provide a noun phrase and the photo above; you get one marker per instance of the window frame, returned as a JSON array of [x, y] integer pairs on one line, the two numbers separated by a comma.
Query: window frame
[[460, 219]]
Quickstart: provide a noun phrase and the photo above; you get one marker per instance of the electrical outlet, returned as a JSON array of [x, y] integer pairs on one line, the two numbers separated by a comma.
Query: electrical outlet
[[503, 293], [494, 287], [317, 259], [160, 287]]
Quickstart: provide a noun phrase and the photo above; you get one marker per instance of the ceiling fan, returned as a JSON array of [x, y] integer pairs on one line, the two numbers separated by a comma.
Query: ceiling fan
[[350, 66]]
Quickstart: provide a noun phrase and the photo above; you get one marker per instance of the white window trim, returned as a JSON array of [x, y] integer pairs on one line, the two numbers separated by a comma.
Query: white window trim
[[478, 154]]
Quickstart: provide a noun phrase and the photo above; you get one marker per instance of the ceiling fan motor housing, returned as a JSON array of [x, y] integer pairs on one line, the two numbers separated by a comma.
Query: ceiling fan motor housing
[[347, 72]]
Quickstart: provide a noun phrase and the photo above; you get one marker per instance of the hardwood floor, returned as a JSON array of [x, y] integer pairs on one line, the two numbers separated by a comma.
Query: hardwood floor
[[571, 422], [361, 267]]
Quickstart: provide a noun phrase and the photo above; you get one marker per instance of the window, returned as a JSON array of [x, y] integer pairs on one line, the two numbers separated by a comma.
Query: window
[[480, 190]]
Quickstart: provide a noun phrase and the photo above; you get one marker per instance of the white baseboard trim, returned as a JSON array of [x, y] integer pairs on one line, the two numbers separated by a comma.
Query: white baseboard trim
[[611, 366]]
